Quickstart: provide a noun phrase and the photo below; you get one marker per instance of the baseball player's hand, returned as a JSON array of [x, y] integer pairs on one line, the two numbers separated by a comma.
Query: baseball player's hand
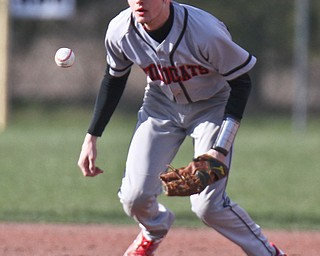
[[88, 156]]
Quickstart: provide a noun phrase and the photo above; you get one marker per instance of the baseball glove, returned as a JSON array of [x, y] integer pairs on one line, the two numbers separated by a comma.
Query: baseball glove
[[192, 179]]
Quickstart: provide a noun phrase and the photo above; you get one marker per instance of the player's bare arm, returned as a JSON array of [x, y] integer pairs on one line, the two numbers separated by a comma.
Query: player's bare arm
[[88, 157]]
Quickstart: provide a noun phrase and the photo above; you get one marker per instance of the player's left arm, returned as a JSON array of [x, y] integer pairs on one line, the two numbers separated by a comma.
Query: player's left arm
[[239, 94]]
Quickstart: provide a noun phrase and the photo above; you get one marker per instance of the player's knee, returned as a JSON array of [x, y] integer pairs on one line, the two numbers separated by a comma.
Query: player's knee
[[207, 209], [138, 204]]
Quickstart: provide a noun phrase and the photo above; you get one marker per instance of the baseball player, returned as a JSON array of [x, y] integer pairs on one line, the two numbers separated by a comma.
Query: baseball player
[[197, 86]]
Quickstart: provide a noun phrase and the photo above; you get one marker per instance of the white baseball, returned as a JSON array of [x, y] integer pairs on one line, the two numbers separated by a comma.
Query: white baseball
[[64, 57]]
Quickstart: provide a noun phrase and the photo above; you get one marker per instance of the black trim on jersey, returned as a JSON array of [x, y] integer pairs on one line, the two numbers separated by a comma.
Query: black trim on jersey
[[239, 67], [139, 34], [185, 23], [123, 69]]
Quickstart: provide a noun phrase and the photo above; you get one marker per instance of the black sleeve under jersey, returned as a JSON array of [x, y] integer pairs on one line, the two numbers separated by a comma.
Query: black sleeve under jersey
[[111, 90], [240, 90]]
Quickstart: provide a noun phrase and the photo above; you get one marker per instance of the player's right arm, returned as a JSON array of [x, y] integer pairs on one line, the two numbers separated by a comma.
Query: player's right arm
[[109, 95], [88, 156], [110, 92]]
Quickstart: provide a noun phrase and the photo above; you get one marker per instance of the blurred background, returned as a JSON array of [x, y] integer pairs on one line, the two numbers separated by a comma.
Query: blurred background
[[46, 110]]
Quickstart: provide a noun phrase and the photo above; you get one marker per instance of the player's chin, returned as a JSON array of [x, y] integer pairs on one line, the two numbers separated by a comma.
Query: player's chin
[[142, 19]]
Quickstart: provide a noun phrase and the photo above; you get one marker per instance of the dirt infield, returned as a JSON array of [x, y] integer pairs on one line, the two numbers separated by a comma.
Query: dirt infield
[[108, 240]]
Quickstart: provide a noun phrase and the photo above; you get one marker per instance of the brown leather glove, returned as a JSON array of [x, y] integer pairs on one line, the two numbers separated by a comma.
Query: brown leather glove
[[192, 179]]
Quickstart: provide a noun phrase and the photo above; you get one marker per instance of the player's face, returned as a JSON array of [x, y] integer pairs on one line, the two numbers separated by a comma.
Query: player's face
[[152, 13]]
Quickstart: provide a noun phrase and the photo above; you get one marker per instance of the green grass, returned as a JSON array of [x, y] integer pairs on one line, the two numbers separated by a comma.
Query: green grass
[[275, 173]]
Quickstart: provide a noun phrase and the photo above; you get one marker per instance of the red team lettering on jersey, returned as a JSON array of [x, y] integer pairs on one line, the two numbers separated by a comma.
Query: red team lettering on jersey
[[174, 74]]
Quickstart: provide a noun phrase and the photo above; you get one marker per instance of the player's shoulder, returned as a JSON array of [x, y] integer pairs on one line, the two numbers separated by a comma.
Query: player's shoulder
[[119, 25], [203, 21], [196, 11]]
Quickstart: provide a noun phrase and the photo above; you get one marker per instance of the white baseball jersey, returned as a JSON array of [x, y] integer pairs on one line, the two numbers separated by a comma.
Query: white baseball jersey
[[187, 67]]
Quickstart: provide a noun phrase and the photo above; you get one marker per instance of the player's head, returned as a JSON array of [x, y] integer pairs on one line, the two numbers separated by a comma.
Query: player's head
[[152, 13]]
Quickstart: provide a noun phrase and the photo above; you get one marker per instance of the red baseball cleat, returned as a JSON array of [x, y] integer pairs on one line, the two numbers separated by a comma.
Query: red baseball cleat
[[278, 251], [142, 247]]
